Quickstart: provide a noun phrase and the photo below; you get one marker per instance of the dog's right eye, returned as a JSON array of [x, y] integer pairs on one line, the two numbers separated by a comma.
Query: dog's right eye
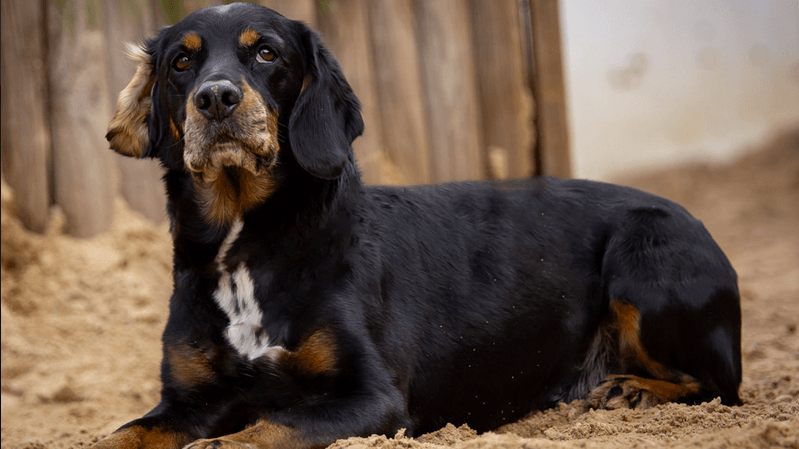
[[266, 55], [181, 63]]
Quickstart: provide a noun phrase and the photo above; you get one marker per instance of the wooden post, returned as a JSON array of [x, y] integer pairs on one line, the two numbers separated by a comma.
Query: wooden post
[[83, 169], [194, 5], [166, 12], [302, 10], [549, 90], [25, 127], [399, 87], [132, 21], [345, 31], [505, 98], [169, 12], [448, 75]]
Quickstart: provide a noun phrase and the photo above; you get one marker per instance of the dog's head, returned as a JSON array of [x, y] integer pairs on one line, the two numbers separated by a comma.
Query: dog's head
[[231, 94]]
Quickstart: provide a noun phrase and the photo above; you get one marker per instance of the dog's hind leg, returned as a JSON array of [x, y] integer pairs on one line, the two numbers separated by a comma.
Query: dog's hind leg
[[659, 385], [655, 361], [673, 312]]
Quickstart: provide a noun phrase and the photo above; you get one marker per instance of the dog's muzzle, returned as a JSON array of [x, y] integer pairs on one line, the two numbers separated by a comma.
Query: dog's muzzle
[[228, 126]]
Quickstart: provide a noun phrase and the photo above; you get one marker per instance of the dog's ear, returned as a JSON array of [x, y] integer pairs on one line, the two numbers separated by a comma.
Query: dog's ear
[[129, 129], [327, 116]]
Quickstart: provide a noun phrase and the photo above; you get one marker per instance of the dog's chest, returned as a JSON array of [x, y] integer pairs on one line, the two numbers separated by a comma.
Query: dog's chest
[[235, 296]]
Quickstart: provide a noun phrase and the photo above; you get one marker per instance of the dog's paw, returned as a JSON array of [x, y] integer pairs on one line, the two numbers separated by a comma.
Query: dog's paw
[[623, 391], [142, 437], [218, 443]]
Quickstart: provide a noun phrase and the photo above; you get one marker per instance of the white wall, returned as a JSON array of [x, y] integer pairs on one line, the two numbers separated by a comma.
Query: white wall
[[655, 82]]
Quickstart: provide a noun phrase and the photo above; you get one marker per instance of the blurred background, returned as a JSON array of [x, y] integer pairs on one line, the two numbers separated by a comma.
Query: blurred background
[[451, 89], [654, 83]]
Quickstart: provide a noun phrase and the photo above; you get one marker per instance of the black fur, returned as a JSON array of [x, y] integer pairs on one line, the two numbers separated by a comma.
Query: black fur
[[462, 303]]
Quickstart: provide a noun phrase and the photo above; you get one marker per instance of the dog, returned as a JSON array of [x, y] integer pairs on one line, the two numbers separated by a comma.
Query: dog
[[308, 307]]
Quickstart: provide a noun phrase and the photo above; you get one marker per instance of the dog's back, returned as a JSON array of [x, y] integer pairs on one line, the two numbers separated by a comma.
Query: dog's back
[[525, 278]]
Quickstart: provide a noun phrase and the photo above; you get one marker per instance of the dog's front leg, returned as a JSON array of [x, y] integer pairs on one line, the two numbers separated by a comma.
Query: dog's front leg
[[151, 431], [377, 409], [263, 434]]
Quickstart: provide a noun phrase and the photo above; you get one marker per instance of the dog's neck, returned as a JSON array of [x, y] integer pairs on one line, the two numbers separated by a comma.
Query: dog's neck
[[299, 205], [230, 194]]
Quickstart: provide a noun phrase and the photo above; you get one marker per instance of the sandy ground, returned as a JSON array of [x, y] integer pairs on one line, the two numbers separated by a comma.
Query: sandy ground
[[81, 322]]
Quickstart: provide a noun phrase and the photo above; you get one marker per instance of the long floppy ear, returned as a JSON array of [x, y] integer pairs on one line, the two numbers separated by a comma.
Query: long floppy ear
[[129, 129], [326, 117]]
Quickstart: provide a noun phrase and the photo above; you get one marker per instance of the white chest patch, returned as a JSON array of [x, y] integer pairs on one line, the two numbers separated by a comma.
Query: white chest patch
[[235, 295]]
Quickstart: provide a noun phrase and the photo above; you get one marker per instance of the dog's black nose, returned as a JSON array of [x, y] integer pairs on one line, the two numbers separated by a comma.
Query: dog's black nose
[[217, 99]]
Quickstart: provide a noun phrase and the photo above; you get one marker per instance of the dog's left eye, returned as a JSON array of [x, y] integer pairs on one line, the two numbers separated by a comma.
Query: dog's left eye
[[265, 54], [181, 63]]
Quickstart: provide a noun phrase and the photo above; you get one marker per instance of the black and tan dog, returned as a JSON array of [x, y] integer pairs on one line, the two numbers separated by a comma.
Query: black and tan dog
[[308, 307]]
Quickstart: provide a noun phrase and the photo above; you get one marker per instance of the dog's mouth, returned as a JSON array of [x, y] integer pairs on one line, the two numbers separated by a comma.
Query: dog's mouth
[[225, 152]]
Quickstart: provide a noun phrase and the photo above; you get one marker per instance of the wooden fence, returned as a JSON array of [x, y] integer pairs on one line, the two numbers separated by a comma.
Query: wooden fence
[[451, 90]]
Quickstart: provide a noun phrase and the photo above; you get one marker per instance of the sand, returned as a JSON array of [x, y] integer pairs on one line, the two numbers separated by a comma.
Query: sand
[[81, 325]]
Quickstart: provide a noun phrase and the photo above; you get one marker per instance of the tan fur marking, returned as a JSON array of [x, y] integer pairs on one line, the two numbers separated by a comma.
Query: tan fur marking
[[188, 367], [224, 198], [632, 351], [218, 200], [254, 190], [264, 434], [192, 41], [135, 437], [248, 37], [174, 128], [194, 120], [128, 132], [627, 321], [306, 83], [252, 107], [317, 355]]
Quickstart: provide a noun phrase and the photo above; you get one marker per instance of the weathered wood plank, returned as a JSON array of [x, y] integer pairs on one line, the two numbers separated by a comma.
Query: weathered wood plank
[[452, 103], [505, 98], [400, 91], [84, 173], [549, 89], [25, 126], [169, 12], [302, 10]]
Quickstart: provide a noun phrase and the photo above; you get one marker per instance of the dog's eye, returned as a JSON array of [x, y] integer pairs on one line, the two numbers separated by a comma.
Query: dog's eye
[[181, 63], [265, 54]]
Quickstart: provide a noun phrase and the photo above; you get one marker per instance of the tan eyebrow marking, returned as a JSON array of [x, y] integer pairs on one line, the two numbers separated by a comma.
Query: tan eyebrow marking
[[248, 37], [192, 41]]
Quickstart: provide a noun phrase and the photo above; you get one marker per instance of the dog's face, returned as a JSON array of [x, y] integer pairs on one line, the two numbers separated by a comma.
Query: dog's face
[[230, 94]]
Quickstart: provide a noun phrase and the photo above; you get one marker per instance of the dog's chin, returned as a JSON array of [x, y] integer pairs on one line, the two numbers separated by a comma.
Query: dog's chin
[[227, 157]]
